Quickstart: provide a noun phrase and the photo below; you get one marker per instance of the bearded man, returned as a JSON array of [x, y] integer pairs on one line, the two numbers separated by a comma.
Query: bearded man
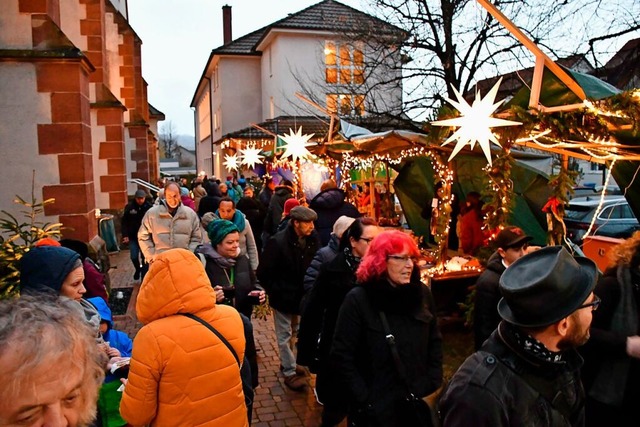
[[528, 371]]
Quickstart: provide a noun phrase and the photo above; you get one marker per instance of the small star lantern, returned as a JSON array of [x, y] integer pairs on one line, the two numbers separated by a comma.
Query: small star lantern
[[296, 145], [475, 122], [231, 162], [251, 156]]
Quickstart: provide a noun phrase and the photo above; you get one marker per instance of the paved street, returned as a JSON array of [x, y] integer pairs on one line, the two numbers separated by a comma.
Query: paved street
[[275, 405]]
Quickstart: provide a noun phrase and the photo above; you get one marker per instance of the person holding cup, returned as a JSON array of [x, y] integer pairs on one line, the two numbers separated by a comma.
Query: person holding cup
[[229, 272], [232, 279]]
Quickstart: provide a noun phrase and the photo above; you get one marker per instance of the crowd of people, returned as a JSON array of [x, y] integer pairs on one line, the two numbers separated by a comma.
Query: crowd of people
[[348, 306]]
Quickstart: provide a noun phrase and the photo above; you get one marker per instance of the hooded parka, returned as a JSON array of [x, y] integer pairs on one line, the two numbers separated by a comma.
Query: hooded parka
[[181, 374]]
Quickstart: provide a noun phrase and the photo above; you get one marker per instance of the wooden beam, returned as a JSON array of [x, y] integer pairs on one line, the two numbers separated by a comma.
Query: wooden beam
[[529, 44], [268, 132], [261, 129], [536, 84], [561, 151], [558, 108], [313, 104]]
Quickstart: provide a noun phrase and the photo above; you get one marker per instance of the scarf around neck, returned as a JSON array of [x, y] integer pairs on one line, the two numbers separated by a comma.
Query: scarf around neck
[[222, 261], [352, 261], [533, 347]]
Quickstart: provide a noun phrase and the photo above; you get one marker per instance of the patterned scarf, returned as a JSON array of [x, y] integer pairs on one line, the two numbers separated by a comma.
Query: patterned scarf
[[352, 261], [534, 347]]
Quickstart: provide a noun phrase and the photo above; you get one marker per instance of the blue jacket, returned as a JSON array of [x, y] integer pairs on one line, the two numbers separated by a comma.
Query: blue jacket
[[116, 339]]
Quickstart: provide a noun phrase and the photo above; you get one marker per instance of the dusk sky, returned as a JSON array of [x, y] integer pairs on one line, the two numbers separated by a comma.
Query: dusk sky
[[178, 36]]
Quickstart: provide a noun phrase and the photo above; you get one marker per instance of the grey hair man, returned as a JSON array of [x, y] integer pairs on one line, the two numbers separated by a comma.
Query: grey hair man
[[528, 371], [50, 367], [169, 225]]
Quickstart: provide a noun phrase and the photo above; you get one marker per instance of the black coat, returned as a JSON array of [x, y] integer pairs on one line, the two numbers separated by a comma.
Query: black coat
[[282, 267], [274, 213], [330, 205], [211, 201], [493, 388], [362, 356], [606, 358], [132, 218], [255, 213], [318, 322], [485, 312], [265, 196]]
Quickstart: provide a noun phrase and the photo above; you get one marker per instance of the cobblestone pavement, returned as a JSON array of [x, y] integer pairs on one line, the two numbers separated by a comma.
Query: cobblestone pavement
[[275, 404]]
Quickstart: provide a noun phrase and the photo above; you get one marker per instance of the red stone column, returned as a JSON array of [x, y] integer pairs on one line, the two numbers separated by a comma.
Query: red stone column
[[112, 149], [92, 27], [68, 136]]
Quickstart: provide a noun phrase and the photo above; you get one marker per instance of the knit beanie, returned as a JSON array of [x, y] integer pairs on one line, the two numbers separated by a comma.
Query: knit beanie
[[218, 229], [47, 266], [341, 225], [290, 204], [184, 191], [47, 241]]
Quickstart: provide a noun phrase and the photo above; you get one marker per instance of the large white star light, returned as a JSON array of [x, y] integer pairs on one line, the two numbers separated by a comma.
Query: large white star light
[[475, 122], [296, 145], [251, 156], [230, 162]]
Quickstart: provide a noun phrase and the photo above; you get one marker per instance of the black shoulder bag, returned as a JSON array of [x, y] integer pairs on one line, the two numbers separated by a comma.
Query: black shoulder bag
[[412, 410], [245, 375]]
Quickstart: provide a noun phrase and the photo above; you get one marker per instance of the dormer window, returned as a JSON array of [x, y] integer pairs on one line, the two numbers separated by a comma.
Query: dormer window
[[344, 63]]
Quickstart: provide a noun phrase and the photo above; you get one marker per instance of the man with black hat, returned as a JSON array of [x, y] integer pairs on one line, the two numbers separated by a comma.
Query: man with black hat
[[527, 372], [281, 272], [131, 220], [512, 244]]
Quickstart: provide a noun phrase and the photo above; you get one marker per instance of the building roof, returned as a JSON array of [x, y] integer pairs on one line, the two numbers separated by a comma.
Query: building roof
[[155, 113], [513, 81], [188, 150], [328, 15], [319, 126], [624, 66]]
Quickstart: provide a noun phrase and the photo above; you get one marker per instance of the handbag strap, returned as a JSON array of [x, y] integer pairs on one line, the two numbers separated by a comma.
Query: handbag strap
[[391, 340], [215, 331]]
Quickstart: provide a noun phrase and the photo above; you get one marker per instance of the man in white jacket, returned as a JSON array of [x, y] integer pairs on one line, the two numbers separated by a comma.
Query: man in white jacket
[[169, 225]]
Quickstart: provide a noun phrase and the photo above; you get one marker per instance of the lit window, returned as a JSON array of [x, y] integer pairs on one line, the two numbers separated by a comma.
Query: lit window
[[346, 104], [344, 63]]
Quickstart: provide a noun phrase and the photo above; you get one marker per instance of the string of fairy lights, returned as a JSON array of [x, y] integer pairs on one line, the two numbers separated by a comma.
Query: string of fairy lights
[[601, 202], [473, 127]]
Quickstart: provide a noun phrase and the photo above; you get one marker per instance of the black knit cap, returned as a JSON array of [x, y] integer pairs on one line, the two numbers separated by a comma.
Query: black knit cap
[[46, 266]]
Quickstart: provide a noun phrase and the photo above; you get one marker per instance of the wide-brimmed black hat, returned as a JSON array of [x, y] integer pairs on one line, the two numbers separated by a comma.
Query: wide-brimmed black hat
[[545, 286]]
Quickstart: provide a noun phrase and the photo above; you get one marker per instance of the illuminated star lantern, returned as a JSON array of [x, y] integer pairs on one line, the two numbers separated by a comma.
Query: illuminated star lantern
[[251, 156], [231, 162], [475, 122], [296, 145]]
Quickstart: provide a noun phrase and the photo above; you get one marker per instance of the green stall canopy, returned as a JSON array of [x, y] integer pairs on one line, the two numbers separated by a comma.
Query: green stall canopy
[[415, 182]]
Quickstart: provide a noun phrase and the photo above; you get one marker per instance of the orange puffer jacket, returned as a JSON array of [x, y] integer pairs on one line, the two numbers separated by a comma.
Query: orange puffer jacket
[[181, 374]]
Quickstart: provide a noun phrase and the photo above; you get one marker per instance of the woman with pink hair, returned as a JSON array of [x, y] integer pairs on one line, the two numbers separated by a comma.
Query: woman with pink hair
[[387, 346]]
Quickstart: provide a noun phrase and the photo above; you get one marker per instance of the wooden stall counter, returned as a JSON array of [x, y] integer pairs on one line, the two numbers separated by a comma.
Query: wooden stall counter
[[450, 289]]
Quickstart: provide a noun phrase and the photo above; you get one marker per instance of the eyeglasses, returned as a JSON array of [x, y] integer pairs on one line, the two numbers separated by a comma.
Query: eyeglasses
[[366, 240], [593, 304], [402, 258]]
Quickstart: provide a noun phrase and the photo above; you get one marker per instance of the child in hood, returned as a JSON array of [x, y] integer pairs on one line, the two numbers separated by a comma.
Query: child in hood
[[116, 339]]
